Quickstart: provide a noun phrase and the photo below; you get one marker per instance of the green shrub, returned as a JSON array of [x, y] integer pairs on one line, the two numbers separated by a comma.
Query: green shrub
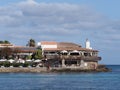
[[25, 64], [6, 64], [17, 64]]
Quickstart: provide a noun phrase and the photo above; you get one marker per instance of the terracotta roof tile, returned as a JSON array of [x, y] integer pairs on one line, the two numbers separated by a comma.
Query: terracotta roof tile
[[66, 46], [70, 49], [48, 43]]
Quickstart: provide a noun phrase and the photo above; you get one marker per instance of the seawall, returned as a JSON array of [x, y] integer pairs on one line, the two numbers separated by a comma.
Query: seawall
[[24, 70], [102, 68]]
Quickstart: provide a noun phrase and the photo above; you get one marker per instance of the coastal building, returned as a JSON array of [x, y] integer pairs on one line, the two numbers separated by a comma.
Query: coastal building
[[17, 51], [23, 51], [59, 54], [69, 55], [6, 45]]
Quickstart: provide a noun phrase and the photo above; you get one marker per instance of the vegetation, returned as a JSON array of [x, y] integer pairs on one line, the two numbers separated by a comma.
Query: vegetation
[[37, 54], [4, 42], [31, 43], [26, 64], [16, 64], [5, 64], [8, 64], [29, 57], [12, 53]]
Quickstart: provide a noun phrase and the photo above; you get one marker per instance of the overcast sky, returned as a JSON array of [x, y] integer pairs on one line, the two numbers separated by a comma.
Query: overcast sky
[[64, 20]]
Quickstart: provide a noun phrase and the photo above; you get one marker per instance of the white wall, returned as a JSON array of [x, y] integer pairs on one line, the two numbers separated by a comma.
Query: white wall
[[48, 46], [87, 44]]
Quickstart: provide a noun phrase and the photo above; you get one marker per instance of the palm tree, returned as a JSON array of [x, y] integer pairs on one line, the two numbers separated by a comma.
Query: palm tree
[[31, 43]]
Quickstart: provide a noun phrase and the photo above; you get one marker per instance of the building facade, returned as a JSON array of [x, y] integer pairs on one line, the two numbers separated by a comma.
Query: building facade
[[16, 52], [69, 55], [59, 54]]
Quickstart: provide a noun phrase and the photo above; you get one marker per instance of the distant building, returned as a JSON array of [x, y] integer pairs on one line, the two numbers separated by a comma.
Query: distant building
[[19, 51], [6, 45]]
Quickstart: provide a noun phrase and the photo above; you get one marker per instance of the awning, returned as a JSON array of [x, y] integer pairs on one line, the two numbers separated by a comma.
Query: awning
[[75, 51], [64, 51], [38, 60], [11, 60]]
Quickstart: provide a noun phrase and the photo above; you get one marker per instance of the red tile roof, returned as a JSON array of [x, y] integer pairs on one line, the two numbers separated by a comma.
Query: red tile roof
[[70, 49], [68, 46], [48, 43]]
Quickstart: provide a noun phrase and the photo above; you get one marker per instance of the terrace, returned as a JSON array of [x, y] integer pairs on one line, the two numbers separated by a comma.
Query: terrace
[[72, 57]]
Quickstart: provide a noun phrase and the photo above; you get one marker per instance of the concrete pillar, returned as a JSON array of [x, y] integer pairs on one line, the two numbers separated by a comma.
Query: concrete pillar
[[96, 54], [63, 63], [82, 53], [82, 63], [85, 64], [78, 62], [91, 54]]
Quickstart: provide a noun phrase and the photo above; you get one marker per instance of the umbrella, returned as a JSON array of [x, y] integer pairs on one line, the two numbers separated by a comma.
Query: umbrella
[[75, 51], [29, 60], [11, 60], [38, 60], [3, 60], [64, 51], [20, 61]]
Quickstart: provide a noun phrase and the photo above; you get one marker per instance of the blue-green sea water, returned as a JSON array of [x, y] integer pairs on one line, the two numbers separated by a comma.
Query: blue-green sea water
[[62, 81]]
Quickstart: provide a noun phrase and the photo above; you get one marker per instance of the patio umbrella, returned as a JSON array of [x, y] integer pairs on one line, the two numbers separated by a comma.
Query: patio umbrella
[[20, 61], [38, 60], [28, 60], [3, 60], [64, 51], [75, 51], [11, 60]]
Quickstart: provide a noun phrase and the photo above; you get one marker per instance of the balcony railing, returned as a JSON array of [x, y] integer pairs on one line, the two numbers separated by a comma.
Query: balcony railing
[[72, 57], [91, 58]]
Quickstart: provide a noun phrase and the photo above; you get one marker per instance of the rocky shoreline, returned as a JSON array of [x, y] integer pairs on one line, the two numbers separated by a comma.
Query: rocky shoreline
[[101, 68]]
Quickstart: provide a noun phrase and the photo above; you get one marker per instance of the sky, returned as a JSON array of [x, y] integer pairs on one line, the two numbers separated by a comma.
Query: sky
[[64, 20]]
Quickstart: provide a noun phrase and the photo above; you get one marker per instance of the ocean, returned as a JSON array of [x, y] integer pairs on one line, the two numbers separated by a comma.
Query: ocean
[[62, 81]]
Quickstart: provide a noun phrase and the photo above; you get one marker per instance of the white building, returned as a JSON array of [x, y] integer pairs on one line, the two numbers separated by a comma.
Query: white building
[[48, 44]]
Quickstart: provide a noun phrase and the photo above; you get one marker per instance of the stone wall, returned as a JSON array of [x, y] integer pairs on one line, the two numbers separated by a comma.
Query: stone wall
[[24, 70], [91, 65]]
